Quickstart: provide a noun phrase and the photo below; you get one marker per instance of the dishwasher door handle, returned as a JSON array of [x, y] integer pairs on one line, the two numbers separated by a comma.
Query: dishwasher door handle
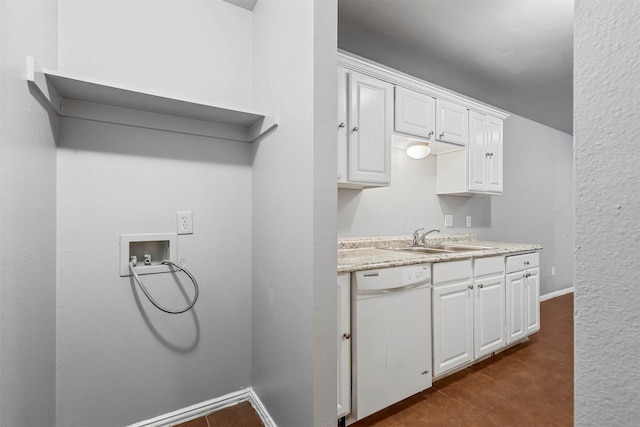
[[393, 290]]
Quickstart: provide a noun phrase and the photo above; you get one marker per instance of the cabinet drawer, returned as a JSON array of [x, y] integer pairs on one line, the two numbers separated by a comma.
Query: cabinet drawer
[[522, 262], [485, 266], [452, 270]]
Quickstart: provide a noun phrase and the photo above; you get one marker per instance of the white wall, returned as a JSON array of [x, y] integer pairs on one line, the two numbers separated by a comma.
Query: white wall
[[119, 359], [294, 239], [607, 124], [27, 219], [536, 206]]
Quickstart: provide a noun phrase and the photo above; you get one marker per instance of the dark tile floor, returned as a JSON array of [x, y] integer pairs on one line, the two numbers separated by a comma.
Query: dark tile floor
[[528, 385], [241, 414]]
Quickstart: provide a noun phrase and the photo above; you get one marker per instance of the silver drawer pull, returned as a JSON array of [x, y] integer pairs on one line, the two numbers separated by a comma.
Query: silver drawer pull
[[346, 335]]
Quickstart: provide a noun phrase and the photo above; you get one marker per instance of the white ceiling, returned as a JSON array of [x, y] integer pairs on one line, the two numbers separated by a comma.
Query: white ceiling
[[516, 55]]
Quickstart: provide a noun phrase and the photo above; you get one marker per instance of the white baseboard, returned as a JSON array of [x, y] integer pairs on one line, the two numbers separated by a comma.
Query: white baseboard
[[208, 406], [556, 294]]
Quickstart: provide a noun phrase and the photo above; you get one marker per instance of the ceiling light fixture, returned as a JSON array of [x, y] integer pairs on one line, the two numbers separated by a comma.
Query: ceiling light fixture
[[418, 150]]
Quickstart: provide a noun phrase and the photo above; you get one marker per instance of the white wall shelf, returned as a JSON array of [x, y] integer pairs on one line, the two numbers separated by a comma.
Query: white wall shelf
[[72, 96]]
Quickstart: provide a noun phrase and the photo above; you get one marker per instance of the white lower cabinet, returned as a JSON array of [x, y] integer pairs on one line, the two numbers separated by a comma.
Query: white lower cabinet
[[344, 345], [532, 317], [452, 316], [468, 311], [489, 307], [523, 296]]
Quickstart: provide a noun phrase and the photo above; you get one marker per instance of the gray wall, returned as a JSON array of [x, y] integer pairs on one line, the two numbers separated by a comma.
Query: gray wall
[[119, 359], [537, 203], [607, 125], [27, 219], [536, 206], [294, 238]]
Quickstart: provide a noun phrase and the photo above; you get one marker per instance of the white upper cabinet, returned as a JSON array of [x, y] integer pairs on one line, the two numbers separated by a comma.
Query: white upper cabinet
[[478, 170], [465, 135], [494, 148], [478, 153], [343, 135], [485, 153], [370, 112], [367, 131], [452, 122], [415, 114]]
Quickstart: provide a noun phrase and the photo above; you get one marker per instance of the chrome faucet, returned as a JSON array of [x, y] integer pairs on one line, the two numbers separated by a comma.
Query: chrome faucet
[[417, 237]]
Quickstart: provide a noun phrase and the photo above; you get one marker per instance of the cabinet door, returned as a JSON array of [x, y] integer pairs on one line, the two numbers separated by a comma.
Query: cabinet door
[[477, 150], [344, 346], [343, 136], [452, 326], [516, 307], [370, 113], [415, 113], [533, 300], [494, 159], [489, 315], [452, 122]]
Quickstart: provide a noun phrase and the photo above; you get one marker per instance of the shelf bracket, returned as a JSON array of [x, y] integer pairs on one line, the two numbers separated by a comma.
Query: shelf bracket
[[264, 125], [37, 79]]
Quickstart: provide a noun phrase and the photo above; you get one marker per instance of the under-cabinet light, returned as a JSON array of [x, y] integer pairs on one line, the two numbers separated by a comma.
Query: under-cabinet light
[[418, 150]]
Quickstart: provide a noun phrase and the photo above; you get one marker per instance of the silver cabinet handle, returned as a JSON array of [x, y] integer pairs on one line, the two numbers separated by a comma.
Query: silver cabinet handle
[[487, 154], [430, 134], [481, 286], [341, 125], [346, 335], [470, 286], [355, 129], [442, 135]]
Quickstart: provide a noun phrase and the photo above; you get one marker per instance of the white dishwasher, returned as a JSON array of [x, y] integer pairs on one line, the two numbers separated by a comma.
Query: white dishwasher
[[391, 315]]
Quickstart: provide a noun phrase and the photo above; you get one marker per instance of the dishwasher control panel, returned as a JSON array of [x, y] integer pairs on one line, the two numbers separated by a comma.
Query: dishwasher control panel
[[368, 282], [415, 274]]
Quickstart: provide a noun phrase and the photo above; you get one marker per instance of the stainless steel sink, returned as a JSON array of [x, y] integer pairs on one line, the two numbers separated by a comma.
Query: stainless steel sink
[[442, 249], [422, 250], [464, 248]]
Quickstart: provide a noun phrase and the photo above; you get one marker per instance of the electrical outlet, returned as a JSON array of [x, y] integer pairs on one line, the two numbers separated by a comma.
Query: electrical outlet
[[468, 221], [448, 220], [184, 222]]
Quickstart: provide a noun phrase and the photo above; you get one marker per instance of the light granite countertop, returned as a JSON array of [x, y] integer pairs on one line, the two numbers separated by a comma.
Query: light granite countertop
[[355, 254]]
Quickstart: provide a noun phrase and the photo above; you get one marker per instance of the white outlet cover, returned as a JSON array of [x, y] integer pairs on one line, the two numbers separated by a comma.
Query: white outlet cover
[[448, 220], [184, 222], [125, 239]]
